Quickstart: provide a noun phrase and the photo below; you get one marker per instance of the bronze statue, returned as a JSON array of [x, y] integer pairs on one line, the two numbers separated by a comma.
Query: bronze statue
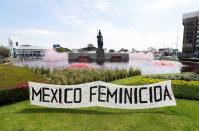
[[100, 40]]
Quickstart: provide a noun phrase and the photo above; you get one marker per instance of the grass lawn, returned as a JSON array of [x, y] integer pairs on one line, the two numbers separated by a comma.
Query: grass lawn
[[23, 116], [11, 75]]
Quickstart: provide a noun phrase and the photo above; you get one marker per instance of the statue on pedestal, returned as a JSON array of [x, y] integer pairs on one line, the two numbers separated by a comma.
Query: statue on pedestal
[[100, 50], [100, 40]]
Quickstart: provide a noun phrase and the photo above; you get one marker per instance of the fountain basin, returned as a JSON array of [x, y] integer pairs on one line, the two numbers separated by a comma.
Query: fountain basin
[[92, 57]]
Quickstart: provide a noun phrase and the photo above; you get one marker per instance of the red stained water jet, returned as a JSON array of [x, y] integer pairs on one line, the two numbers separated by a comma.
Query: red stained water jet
[[80, 65], [142, 56], [163, 63]]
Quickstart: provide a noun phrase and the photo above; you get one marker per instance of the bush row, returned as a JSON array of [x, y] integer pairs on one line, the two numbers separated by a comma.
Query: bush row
[[13, 95], [77, 76], [72, 76], [181, 88], [187, 76]]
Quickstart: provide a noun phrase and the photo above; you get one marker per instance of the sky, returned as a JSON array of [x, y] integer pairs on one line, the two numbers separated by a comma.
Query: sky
[[137, 24]]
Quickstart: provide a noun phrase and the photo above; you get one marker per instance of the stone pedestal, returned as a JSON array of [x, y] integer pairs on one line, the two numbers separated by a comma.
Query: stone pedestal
[[100, 55]]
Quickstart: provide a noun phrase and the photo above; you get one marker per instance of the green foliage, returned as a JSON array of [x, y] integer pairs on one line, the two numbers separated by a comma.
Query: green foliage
[[188, 76], [61, 49], [134, 72], [111, 50], [76, 76], [72, 76], [181, 88], [13, 95], [40, 70], [186, 89], [5, 52]]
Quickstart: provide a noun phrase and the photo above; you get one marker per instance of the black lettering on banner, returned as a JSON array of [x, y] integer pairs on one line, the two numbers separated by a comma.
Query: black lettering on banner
[[54, 95], [100, 93], [39, 93], [127, 94], [166, 93], [66, 95], [76, 90], [120, 95], [155, 93], [60, 95], [44, 94], [150, 94], [109, 94], [91, 92], [140, 94], [135, 96]]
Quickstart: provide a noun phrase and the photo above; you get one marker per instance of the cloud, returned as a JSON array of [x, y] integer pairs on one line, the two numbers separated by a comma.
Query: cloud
[[115, 37], [161, 5], [30, 35], [102, 5], [78, 21], [40, 32]]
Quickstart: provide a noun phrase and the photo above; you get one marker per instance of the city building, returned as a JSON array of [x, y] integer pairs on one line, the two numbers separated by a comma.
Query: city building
[[168, 51], [191, 34], [25, 51]]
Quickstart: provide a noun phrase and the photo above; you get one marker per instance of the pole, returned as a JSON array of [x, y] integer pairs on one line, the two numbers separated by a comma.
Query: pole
[[177, 40]]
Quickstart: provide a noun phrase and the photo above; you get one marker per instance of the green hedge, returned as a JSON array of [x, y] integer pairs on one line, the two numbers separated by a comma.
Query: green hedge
[[72, 76], [187, 76], [13, 95], [186, 89], [181, 88]]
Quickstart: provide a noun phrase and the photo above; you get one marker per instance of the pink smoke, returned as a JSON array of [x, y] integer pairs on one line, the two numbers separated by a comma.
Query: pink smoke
[[142, 56], [163, 63], [52, 55]]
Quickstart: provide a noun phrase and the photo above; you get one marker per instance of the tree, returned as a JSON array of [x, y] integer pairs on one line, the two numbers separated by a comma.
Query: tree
[[134, 50], [61, 49], [111, 50], [123, 50], [90, 47], [4, 52], [151, 49]]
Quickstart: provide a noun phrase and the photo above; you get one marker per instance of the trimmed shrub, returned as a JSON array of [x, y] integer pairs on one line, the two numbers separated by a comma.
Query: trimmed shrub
[[5, 52], [13, 95], [187, 76], [181, 88], [72, 76]]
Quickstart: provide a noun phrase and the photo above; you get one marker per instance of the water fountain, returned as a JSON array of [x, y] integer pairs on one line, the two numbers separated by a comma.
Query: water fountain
[[80, 65], [141, 60]]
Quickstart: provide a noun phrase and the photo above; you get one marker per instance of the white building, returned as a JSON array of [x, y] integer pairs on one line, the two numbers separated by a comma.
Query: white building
[[25, 50], [29, 51]]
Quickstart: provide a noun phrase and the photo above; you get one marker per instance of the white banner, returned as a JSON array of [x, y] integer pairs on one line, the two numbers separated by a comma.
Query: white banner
[[102, 94]]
